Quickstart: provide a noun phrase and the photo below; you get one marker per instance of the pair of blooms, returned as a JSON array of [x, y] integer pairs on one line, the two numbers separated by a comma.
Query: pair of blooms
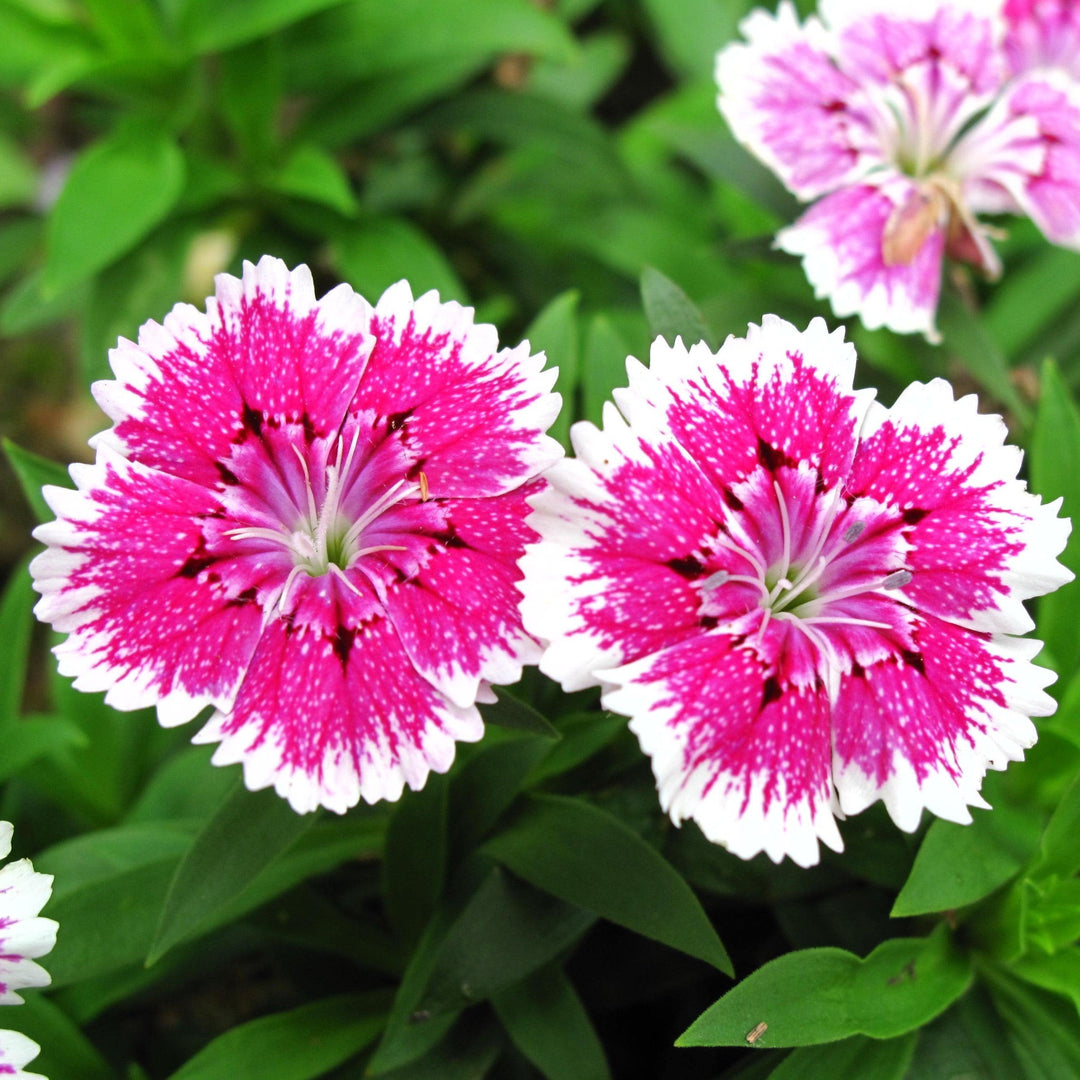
[[340, 525], [902, 123]]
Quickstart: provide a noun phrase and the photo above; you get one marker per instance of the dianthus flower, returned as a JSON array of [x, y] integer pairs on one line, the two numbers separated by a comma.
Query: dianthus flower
[[308, 515], [901, 125], [804, 601], [24, 936]]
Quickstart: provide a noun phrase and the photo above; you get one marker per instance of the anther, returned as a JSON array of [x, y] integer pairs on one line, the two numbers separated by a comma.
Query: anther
[[714, 581], [853, 532], [897, 579]]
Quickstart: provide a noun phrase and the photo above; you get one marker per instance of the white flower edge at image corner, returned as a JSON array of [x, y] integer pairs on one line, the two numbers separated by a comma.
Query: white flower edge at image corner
[[805, 602], [25, 936]]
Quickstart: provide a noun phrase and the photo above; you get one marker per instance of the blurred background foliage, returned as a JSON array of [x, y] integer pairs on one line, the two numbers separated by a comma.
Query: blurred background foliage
[[561, 166]]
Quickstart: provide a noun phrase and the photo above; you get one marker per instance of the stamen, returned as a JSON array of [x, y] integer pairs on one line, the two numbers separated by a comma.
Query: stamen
[[785, 525], [722, 541], [313, 510], [803, 582], [853, 532], [424, 495], [843, 620], [390, 496], [897, 579], [273, 536]]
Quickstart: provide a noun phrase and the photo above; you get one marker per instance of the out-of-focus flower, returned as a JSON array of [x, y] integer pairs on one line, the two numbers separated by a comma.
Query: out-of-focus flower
[[24, 937], [805, 602], [901, 125], [307, 515]]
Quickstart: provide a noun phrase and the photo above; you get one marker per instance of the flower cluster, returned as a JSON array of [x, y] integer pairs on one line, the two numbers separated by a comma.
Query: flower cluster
[[902, 126], [24, 936], [318, 518]]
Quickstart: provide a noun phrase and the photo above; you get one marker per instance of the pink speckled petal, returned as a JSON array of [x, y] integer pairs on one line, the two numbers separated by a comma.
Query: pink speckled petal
[[472, 416], [842, 238], [328, 720], [920, 728], [979, 543], [264, 348], [786, 100], [744, 755]]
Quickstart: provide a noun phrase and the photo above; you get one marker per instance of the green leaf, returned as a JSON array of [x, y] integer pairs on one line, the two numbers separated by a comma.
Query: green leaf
[[1042, 1027], [118, 190], [506, 931], [1059, 973], [1055, 444], [207, 26], [16, 625], [546, 1021], [960, 864], [467, 1053], [587, 857], [34, 472], [65, 1050], [249, 831], [124, 872], [376, 254], [414, 868], [251, 96], [516, 715], [604, 366], [1059, 852], [301, 1044], [866, 1059], [32, 737], [583, 735], [965, 336], [689, 33], [18, 177], [555, 331], [670, 311], [821, 995], [310, 173]]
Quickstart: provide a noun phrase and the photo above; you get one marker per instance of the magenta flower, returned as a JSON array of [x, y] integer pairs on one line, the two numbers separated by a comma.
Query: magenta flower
[[307, 515], [24, 937], [901, 125], [804, 601]]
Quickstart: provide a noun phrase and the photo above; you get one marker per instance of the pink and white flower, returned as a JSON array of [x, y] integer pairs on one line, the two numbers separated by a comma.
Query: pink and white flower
[[901, 125], [24, 937], [307, 515], [805, 602]]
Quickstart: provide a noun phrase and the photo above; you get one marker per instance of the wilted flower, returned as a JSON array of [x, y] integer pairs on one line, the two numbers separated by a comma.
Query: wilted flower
[[904, 125], [308, 515], [805, 602], [24, 936]]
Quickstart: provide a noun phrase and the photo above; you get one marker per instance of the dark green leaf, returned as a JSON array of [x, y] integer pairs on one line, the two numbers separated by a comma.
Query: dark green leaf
[[374, 255], [960, 864], [547, 1022], [414, 868], [118, 190], [670, 311], [603, 368], [301, 1044], [506, 931], [34, 472], [467, 1053], [587, 857], [16, 624], [249, 831], [32, 737], [820, 995], [583, 735], [515, 715], [866, 1059], [1055, 444], [206, 26]]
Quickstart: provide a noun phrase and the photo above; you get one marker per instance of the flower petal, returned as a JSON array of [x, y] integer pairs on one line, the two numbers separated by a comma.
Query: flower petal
[[980, 543], [128, 577], [16, 1050], [841, 239], [785, 99], [1025, 155], [458, 618], [744, 757], [920, 728], [1042, 34], [264, 348], [473, 416], [330, 720]]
